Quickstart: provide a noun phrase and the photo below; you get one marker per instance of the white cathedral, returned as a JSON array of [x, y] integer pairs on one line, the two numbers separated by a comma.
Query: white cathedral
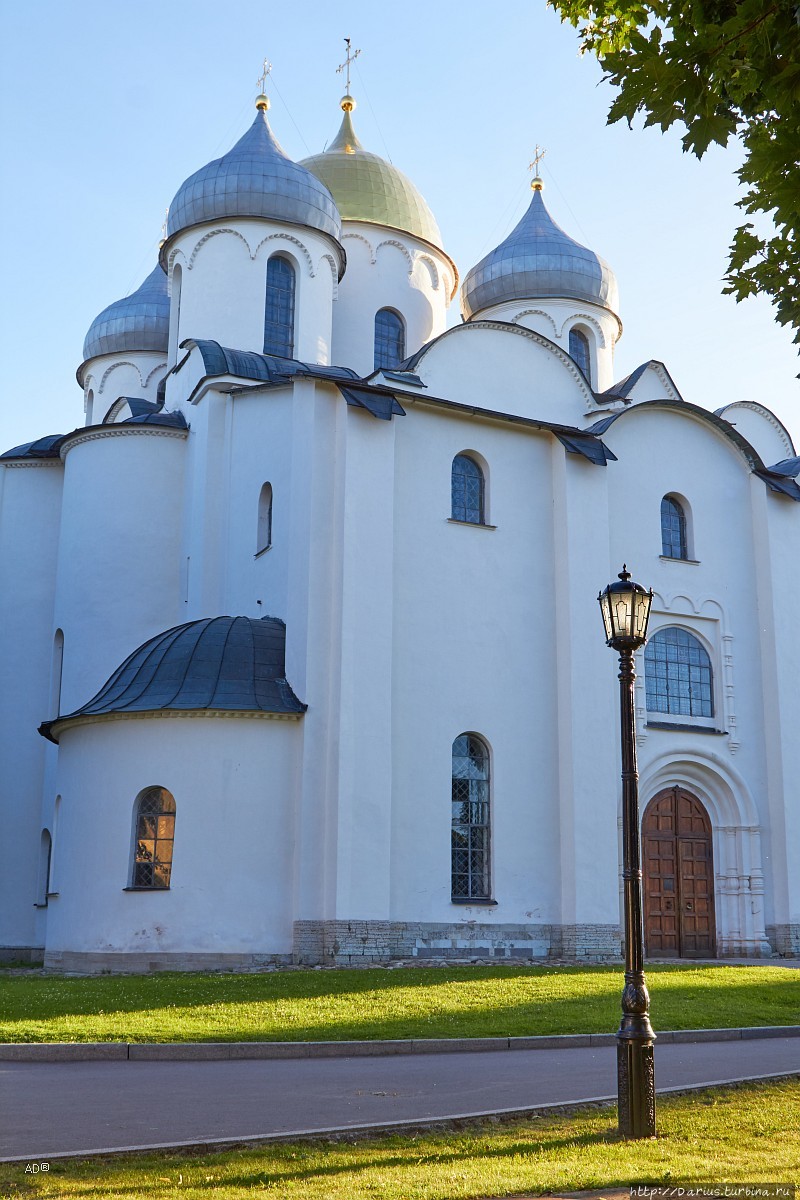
[[301, 651]]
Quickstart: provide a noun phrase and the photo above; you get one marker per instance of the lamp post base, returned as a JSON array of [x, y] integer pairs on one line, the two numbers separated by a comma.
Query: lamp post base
[[636, 1090]]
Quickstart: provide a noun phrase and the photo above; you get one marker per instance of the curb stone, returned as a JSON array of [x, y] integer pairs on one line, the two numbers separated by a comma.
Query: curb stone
[[208, 1051]]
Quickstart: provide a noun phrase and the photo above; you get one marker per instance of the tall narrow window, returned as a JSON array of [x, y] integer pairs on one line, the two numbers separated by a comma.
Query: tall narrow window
[[678, 674], [673, 529], [390, 338], [175, 313], [470, 875], [466, 490], [56, 672], [279, 311], [264, 537], [579, 350], [45, 858], [155, 834]]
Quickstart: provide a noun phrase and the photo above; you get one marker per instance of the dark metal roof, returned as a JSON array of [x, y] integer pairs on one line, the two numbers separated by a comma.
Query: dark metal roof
[[265, 368], [44, 447], [226, 664], [382, 404], [787, 466], [173, 420], [623, 388]]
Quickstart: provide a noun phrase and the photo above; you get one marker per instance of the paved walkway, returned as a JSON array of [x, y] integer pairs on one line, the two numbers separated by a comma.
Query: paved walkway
[[51, 1109]]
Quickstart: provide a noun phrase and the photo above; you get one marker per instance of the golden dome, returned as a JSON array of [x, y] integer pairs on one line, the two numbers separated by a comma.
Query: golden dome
[[368, 188]]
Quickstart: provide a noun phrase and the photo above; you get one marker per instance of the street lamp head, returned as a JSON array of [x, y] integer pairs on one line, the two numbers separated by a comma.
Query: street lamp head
[[626, 609]]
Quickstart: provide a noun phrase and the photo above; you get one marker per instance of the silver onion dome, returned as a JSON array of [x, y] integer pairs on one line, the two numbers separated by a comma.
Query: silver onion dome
[[539, 261], [255, 179], [138, 322]]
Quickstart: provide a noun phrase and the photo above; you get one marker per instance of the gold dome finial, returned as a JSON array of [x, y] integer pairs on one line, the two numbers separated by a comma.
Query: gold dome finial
[[262, 99], [347, 103], [537, 183], [345, 66]]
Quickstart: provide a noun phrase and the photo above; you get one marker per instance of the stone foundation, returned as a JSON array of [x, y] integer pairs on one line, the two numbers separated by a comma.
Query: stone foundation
[[785, 940], [30, 955], [95, 963], [360, 943]]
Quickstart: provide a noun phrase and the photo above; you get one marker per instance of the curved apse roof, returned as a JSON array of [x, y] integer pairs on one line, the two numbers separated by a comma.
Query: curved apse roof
[[137, 322], [256, 178], [224, 664], [538, 260]]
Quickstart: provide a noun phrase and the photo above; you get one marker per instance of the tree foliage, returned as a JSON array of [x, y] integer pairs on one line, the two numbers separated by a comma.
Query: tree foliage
[[723, 69]]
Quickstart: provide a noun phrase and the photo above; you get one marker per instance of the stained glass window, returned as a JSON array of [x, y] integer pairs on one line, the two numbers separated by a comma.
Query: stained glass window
[[466, 490], [279, 310], [155, 833], [673, 529], [390, 338], [579, 350], [470, 820], [678, 674]]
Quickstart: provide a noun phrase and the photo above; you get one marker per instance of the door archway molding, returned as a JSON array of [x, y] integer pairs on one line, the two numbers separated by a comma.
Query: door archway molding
[[736, 841]]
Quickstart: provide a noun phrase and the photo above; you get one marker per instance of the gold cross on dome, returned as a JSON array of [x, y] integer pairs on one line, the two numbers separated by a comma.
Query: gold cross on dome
[[345, 66], [537, 158], [262, 79]]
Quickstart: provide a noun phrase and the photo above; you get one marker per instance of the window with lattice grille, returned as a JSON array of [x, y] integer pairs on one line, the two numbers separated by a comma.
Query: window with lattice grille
[[470, 866], [390, 338], [155, 835], [279, 309], [467, 491], [579, 350], [673, 529], [678, 674]]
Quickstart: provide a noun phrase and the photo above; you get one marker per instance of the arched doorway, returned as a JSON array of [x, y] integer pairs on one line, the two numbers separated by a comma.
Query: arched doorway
[[678, 877]]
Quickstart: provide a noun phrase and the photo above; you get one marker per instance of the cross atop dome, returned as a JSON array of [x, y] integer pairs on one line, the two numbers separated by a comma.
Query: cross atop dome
[[345, 66], [262, 100], [537, 183]]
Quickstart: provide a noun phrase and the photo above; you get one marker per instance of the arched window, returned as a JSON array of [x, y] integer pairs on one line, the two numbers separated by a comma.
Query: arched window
[[175, 312], [673, 529], [264, 538], [579, 350], [466, 490], [155, 833], [470, 874], [279, 310], [56, 672], [678, 674], [45, 859], [390, 338]]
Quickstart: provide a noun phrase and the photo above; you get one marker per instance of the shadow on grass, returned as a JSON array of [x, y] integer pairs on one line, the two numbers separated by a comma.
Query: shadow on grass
[[462, 1002], [380, 1157]]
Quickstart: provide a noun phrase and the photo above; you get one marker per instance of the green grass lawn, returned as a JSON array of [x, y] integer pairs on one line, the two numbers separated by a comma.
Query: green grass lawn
[[413, 1002], [749, 1134]]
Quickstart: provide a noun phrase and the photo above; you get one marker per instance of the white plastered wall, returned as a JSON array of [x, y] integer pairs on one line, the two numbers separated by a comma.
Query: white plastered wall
[[223, 284], [109, 376], [387, 269], [233, 779]]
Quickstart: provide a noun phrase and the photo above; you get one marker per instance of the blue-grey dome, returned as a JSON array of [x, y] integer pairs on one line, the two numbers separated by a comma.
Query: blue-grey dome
[[255, 179], [139, 322], [227, 664], [538, 261]]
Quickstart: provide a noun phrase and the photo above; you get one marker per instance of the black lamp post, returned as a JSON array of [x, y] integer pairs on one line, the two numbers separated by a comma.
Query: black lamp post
[[626, 608]]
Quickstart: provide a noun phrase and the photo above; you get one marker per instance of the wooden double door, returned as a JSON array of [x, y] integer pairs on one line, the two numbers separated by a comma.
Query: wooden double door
[[678, 870]]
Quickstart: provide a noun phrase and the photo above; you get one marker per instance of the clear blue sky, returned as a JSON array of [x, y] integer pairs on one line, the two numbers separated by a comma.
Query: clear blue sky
[[107, 108]]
